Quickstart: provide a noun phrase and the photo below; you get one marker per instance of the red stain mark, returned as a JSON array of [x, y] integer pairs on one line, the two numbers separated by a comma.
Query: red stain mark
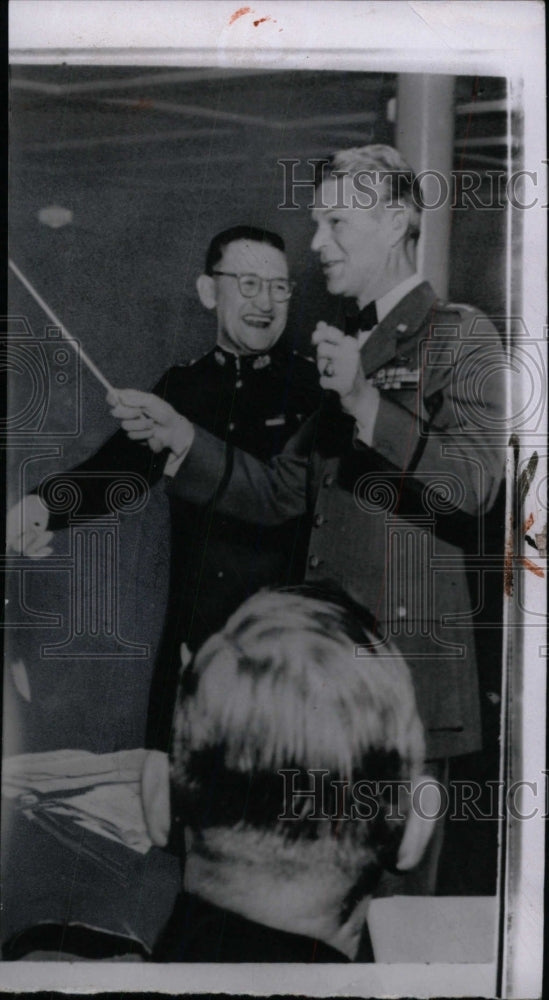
[[240, 13], [262, 19], [528, 564], [508, 575], [528, 523]]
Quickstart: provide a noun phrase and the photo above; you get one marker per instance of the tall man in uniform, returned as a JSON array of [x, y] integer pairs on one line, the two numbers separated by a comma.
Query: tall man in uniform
[[402, 460], [252, 391]]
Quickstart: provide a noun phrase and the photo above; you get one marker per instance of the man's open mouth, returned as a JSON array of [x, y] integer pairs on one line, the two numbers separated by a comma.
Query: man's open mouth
[[258, 322]]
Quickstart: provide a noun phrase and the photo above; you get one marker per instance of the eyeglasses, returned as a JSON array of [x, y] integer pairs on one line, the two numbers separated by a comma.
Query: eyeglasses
[[250, 285]]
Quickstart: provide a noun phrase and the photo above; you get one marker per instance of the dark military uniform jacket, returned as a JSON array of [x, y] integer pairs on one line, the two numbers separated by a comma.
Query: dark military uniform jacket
[[217, 560], [198, 931], [391, 521]]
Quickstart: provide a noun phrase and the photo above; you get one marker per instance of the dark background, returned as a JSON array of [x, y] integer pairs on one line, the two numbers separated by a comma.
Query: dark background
[[151, 163]]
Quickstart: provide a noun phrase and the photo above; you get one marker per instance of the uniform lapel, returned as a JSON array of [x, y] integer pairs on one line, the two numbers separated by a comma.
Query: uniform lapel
[[400, 324]]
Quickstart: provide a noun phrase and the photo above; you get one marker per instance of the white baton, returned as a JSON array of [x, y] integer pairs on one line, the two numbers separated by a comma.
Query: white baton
[[65, 333]]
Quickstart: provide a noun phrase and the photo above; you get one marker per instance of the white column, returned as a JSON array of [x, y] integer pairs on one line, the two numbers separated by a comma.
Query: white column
[[424, 134]]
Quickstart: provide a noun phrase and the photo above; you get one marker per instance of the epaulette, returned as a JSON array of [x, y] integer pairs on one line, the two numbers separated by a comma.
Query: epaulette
[[459, 307], [192, 361]]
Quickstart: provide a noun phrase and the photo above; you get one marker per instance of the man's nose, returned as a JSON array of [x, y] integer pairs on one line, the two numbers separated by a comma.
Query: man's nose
[[318, 240], [263, 299]]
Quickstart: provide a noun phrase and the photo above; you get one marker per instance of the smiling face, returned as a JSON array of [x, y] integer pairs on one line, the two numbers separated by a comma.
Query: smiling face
[[356, 243], [247, 325]]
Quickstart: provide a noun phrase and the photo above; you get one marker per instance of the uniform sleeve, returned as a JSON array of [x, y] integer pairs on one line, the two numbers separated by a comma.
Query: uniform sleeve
[[129, 463], [456, 433], [241, 485]]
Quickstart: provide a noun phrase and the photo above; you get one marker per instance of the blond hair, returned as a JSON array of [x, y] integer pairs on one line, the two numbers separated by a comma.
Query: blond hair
[[295, 679], [389, 169]]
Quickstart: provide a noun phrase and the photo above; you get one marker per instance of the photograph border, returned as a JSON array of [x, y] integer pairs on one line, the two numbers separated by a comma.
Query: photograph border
[[443, 34]]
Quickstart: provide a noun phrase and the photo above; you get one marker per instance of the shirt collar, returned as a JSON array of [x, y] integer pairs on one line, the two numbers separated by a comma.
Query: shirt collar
[[387, 302], [390, 299]]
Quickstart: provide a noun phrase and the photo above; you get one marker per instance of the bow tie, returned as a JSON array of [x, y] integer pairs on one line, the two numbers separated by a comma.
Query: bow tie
[[364, 319]]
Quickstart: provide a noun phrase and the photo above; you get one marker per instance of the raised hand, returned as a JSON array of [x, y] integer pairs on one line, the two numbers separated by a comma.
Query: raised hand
[[339, 364], [26, 526], [338, 359]]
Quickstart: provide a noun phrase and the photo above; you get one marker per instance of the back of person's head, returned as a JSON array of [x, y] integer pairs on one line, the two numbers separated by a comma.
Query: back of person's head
[[296, 682], [251, 234], [382, 165]]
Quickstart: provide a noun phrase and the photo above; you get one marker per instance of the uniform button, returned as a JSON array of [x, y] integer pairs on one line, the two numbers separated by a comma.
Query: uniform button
[[239, 384], [318, 519], [314, 561], [231, 426], [220, 575], [328, 479]]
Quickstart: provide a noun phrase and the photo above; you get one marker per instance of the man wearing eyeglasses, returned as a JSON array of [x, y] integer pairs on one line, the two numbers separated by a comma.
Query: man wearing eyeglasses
[[252, 391]]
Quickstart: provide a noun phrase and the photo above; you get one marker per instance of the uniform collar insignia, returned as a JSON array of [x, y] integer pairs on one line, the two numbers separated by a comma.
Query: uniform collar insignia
[[255, 361], [262, 361]]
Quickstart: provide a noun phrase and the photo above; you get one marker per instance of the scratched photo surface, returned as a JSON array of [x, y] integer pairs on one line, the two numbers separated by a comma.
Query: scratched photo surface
[[120, 178]]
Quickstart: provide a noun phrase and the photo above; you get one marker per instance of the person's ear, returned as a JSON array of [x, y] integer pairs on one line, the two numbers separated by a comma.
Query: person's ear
[[399, 223], [155, 794], [205, 286], [425, 810]]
